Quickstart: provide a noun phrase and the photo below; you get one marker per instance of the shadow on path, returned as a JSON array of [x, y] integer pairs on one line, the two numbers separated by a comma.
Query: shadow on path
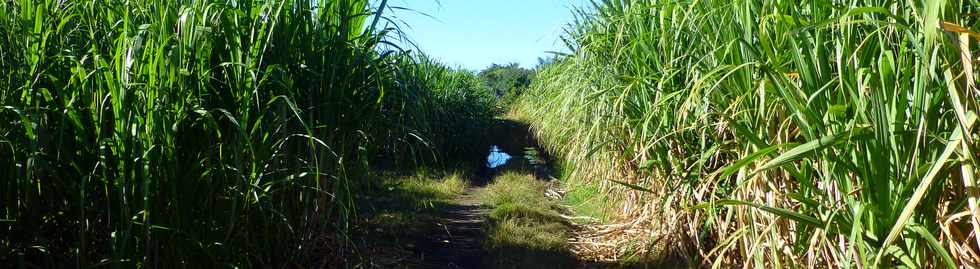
[[457, 240]]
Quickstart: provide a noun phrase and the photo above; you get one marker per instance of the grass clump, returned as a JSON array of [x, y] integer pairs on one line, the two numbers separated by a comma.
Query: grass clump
[[429, 187], [525, 229], [450, 185], [519, 243]]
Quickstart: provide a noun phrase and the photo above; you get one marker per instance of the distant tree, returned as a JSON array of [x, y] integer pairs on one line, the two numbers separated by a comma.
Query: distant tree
[[543, 62], [507, 80]]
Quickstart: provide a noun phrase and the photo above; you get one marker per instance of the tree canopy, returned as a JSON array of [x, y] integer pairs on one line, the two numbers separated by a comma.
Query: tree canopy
[[509, 79]]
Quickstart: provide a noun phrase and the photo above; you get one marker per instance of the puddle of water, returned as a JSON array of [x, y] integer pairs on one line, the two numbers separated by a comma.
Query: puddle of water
[[497, 158]]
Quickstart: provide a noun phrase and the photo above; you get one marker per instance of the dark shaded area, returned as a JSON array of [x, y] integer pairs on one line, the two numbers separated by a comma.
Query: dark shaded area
[[517, 256], [413, 228], [457, 240], [390, 221], [515, 139]]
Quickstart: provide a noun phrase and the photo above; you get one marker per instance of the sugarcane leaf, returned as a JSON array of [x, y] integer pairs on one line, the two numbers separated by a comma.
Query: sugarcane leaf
[[631, 186], [781, 212]]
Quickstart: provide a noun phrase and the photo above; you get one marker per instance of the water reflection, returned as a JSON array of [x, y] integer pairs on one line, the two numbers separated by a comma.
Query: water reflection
[[497, 158]]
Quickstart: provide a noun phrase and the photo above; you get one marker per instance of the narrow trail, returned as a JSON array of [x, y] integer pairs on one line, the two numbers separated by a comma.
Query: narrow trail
[[457, 242]]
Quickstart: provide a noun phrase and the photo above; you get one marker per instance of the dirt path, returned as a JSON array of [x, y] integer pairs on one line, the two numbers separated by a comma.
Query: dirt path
[[457, 241]]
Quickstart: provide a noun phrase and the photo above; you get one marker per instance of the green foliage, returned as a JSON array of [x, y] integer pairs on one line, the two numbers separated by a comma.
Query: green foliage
[[800, 134], [204, 133], [507, 81]]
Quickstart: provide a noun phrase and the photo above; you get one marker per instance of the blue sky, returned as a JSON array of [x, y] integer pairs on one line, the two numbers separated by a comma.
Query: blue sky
[[476, 33]]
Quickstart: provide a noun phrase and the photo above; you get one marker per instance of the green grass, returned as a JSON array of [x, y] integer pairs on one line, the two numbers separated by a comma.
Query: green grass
[[776, 133], [588, 200], [525, 229], [423, 189]]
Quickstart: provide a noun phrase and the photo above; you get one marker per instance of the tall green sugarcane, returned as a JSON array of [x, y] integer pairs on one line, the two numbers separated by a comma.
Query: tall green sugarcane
[[815, 134]]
